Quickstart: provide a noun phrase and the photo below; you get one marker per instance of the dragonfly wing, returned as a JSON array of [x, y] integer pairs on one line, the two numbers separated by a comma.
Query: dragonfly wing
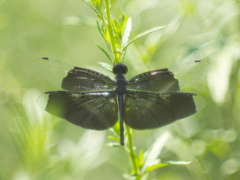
[[189, 72], [177, 77], [73, 78], [145, 110], [93, 110], [161, 80]]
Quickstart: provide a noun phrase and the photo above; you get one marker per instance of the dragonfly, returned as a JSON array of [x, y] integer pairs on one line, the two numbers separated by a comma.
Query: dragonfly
[[92, 100]]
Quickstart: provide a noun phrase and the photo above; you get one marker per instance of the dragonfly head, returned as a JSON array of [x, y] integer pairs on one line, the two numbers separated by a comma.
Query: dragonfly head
[[120, 69]]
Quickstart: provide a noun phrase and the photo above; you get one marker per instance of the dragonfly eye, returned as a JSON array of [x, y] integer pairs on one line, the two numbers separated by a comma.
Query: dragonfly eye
[[120, 69]]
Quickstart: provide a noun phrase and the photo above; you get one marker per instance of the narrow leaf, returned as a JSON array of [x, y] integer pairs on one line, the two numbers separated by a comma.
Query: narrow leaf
[[93, 7], [151, 155], [126, 36], [100, 28], [166, 163], [113, 145], [177, 162], [126, 33], [155, 166], [141, 158], [104, 51], [106, 66], [143, 34], [173, 25], [113, 138]]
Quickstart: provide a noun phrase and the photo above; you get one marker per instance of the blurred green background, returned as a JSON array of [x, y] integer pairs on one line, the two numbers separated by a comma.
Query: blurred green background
[[36, 145]]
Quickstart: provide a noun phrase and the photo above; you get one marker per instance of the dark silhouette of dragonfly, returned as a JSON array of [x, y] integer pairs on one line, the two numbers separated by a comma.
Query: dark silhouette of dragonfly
[[95, 101]]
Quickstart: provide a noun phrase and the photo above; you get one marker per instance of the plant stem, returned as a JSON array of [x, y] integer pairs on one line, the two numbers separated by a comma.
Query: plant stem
[[110, 32], [131, 153]]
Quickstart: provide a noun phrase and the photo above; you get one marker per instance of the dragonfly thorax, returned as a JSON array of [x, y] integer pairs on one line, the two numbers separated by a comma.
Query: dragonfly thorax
[[120, 86]]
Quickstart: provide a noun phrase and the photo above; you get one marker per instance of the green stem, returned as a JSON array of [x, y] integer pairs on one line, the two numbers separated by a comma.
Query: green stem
[[131, 153], [110, 32]]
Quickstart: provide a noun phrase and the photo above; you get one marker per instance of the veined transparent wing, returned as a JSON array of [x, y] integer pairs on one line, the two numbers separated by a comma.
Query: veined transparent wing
[[189, 72], [172, 79], [161, 80], [72, 78]]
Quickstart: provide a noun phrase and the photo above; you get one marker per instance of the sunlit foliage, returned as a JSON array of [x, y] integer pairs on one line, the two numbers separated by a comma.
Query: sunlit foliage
[[36, 145]]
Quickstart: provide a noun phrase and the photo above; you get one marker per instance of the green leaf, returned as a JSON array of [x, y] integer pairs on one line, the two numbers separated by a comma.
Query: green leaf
[[177, 162], [126, 32], [143, 34], [116, 129], [166, 163], [104, 51], [151, 155], [114, 145], [93, 7], [113, 138], [100, 28], [173, 25], [118, 27], [126, 36], [141, 158], [130, 176], [106, 66], [155, 166]]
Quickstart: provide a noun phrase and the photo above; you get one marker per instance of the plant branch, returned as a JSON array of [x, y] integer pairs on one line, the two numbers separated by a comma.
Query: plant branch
[[130, 150], [110, 32]]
